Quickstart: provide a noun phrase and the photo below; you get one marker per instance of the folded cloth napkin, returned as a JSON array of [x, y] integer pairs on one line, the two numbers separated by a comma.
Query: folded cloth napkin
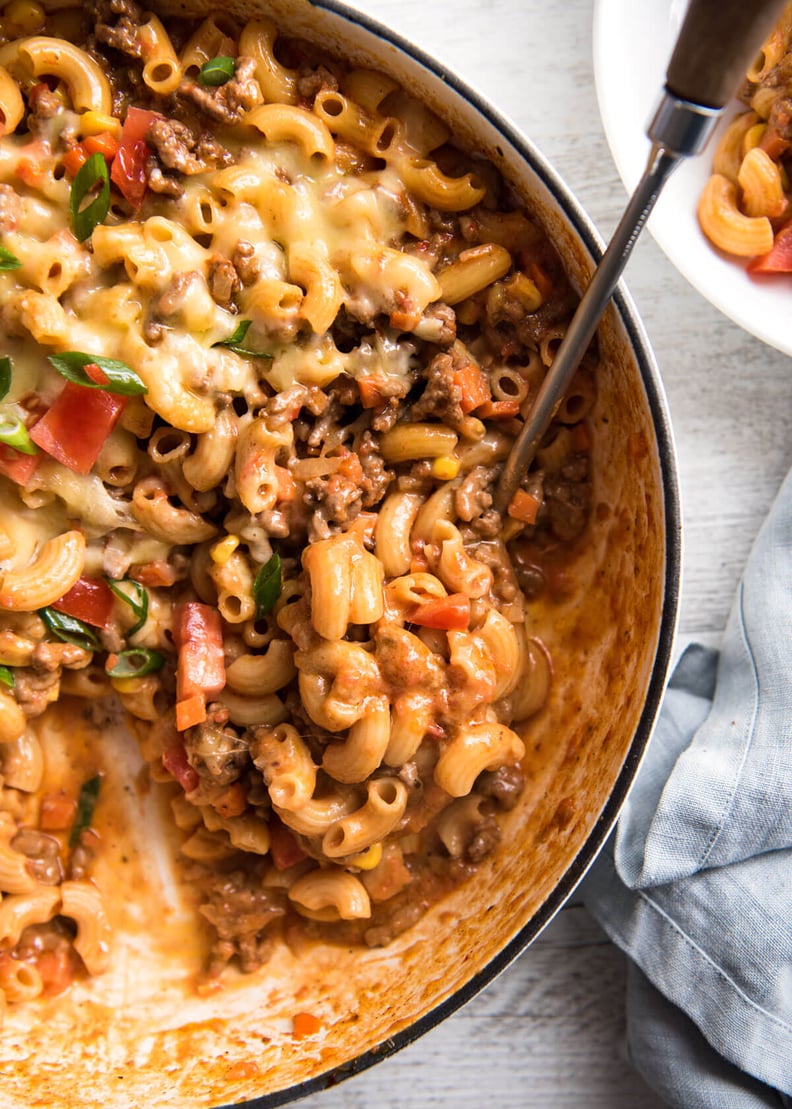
[[696, 882]]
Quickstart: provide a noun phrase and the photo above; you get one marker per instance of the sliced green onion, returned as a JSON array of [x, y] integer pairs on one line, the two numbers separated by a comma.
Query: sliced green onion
[[69, 629], [267, 586], [6, 374], [86, 803], [8, 261], [238, 337], [7, 676], [217, 71], [121, 379], [136, 663], [235, 342], [13, 433], [90, 175], [139, 603]]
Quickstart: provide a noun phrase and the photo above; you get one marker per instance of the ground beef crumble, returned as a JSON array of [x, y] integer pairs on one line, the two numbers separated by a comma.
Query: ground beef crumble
[[241, 910], [227, 103], [178, 148], [115, 24], [442, 398]]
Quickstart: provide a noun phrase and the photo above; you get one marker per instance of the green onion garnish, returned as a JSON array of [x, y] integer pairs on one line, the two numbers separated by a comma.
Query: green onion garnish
[[217, 71], [69, 629], [238, 337], [267, 586], [86, 803], [235, 342], [8, 261], [121, 379], [91, 179], [137, 662], [7, 676], [139, 603], [5, 377], [13, 433]]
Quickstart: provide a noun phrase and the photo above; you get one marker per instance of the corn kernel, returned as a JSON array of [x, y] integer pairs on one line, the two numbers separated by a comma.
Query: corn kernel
[[753, 136], [26, 16], [222, 550], [96, 123], [445, 468], [366, 860], [127, 685]]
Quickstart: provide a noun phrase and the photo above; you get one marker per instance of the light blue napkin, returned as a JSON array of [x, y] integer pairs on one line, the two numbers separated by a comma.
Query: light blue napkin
[[696, 882]]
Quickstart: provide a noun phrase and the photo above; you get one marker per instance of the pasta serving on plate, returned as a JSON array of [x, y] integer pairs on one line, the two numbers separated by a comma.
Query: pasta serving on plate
[[267, 335], [744, 207]]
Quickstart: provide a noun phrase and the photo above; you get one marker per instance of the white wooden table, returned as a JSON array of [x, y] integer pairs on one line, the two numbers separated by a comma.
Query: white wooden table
[[550, 1030]]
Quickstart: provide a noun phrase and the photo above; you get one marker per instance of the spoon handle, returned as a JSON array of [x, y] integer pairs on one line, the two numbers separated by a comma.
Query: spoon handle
[[716, 45], [584, 323]]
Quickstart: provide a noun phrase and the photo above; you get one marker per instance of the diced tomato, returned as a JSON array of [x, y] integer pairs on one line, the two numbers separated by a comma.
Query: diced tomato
[[450, 613], [190, 711], [473, 385], [57, 812], [129, 173], [524, 507], [30, 165], [284, 848], [198, 634], [136, 124], [58, 969], [287, 489], [350, 468], [370, 389], [404, 319], [231, 802], [103, 144], [305, 1024], [779, 258], [16, 465], [89, 600], [154, 575], [75, 158], [74, 429], [175, 761]]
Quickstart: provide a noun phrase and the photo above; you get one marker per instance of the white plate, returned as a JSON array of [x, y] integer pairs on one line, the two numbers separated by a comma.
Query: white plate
[[632, 45]]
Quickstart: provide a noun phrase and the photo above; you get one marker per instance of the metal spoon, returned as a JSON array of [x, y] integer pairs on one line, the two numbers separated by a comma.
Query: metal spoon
[[717, 43]]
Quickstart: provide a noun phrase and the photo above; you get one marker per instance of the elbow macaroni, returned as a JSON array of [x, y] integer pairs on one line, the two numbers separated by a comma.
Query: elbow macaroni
[[744, 208], [315, 620]]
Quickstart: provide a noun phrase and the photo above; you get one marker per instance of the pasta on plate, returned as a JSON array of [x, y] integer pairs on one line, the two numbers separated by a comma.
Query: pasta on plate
[[267, 335], [744, 207]]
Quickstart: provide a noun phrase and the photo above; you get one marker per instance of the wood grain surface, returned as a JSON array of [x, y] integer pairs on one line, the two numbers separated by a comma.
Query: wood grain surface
[[550, 1030]]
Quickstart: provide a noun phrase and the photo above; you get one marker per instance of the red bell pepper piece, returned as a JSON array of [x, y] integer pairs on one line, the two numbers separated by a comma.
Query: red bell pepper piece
[[89, 600], [74, 429]]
